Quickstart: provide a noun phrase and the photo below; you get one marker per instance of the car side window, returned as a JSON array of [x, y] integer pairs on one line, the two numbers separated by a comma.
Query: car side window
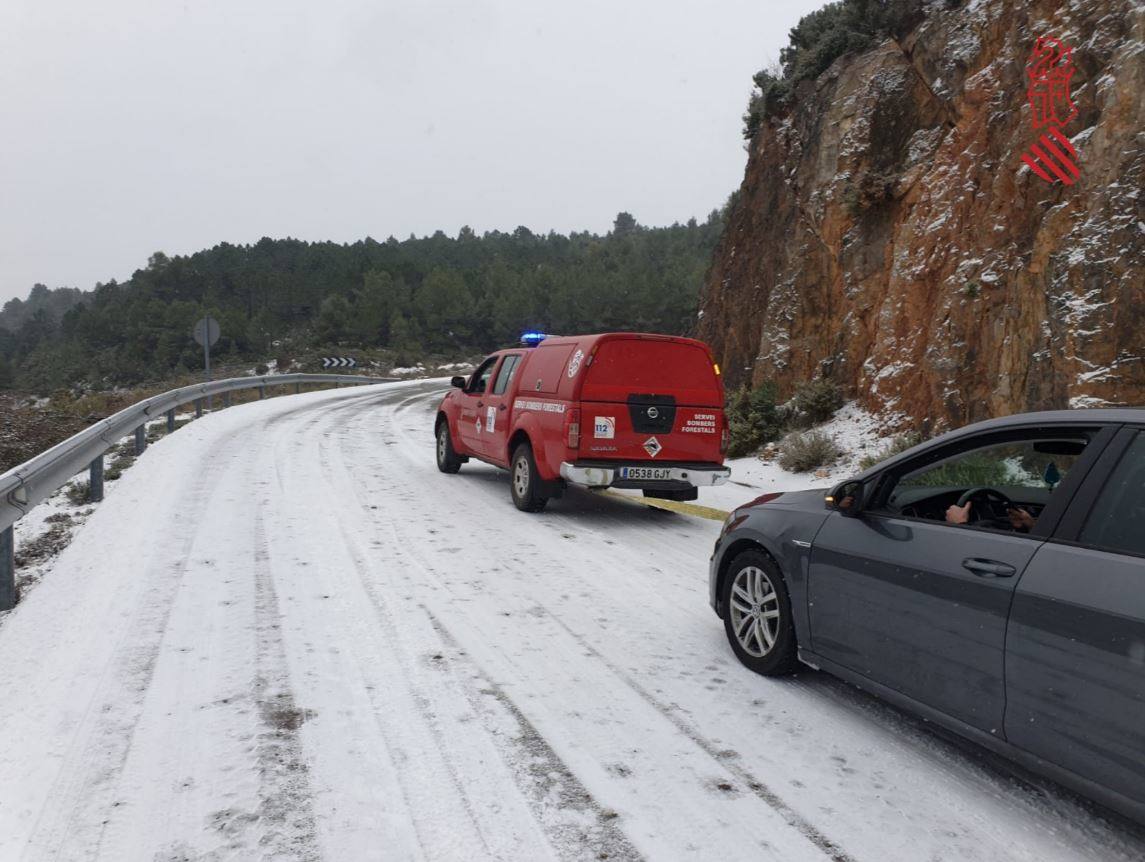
[[1117, 520], [1001, 486], [506, 374], [480, 380]]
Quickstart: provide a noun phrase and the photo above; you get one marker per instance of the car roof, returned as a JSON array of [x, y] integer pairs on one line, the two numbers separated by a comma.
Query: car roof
[[1043, 418], [587, 342]]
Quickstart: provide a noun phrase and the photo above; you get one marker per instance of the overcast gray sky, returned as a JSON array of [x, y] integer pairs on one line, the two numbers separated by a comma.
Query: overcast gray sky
[[131, 126]]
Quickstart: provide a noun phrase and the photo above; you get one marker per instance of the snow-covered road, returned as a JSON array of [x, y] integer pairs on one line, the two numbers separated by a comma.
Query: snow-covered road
[[285, 635]]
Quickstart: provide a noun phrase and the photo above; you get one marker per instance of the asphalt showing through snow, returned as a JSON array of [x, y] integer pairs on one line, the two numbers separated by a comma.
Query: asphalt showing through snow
[[285, 635]]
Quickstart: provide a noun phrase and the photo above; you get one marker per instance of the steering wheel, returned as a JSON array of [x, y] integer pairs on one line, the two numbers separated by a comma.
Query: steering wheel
[[986, 496]]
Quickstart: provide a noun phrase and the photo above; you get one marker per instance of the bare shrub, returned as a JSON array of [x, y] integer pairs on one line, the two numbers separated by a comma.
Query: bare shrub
[[799, 453]]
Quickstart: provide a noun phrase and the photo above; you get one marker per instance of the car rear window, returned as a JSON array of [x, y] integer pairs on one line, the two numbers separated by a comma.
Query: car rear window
[[635, 366]]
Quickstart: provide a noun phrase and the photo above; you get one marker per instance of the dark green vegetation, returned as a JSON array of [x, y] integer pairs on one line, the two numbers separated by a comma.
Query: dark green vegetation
[[820, 38], [438, 294], [974, 470], [894, 447], [807, 450], [755, 419]]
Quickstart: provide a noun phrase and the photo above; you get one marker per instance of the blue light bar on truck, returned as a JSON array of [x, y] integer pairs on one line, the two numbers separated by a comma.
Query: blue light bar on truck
[[532, 339]]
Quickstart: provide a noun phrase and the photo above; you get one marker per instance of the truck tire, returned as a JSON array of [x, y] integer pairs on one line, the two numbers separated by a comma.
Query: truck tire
[[448, 461], [757, 614], [524, 483]]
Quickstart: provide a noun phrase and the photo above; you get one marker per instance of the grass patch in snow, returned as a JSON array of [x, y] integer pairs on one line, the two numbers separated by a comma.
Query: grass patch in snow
[[894, 447], [809, 450]]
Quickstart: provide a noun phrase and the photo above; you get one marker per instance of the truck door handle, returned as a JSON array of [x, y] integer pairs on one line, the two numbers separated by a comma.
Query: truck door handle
[[480, 403], [988, 568], [502, 407]]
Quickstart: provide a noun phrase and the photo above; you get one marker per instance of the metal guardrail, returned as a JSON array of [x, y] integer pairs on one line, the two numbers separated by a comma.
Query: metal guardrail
[[35, 480]]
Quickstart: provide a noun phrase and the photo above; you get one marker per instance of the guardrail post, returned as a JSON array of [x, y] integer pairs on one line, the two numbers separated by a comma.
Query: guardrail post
[[95, 479], [198, 408], [140, 439], [297, 388], [261, 393], [227, 398], [170, 420], [8, 592]]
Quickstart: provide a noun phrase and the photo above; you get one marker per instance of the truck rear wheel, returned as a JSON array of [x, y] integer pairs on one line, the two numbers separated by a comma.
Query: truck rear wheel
[[524, 483], [448, 461]]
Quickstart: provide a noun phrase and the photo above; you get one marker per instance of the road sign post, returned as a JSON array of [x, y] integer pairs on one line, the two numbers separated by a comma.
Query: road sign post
[[206, 333]]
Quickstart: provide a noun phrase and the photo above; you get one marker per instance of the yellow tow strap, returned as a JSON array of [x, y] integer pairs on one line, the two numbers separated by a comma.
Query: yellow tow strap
[[683, 508]]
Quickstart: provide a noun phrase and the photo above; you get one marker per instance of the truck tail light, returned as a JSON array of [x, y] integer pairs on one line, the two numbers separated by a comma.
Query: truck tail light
[[725, 433], [572, 426]]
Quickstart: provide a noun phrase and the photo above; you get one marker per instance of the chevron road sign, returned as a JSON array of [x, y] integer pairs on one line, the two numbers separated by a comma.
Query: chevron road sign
[[339, 362]]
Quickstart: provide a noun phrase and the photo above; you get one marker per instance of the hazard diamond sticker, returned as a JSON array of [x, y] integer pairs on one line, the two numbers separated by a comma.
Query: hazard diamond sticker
[[652, 447]]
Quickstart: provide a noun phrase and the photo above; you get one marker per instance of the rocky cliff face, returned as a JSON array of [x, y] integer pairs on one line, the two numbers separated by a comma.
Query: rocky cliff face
[[887, 234]]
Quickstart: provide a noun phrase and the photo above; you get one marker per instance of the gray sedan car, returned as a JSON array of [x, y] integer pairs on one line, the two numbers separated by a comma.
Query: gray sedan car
[[991, 580]]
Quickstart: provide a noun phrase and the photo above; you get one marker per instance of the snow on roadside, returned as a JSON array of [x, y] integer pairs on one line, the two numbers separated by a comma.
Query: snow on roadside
[[48, 527], [854, 430]]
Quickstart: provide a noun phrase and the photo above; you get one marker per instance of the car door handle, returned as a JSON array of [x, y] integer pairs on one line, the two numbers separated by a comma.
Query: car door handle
[[988, 568], [480, 403], [503, 407]]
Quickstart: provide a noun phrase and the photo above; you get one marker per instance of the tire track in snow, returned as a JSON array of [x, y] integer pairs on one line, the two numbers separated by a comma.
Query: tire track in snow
[[538, 771], [87, 777], [285, 812], [827, 846], [817, 837], [410, 551], [813, 834], [413, 722]]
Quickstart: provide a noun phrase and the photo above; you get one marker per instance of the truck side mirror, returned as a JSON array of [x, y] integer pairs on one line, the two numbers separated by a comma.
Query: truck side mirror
[[846, 499], [459, 382]]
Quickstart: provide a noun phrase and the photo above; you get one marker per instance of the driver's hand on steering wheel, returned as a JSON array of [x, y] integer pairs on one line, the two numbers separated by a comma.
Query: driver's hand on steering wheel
[[1020, 519], [958, 514]]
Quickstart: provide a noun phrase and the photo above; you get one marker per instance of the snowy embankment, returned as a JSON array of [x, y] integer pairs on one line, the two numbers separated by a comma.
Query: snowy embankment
[[856, 433], [286, 635]]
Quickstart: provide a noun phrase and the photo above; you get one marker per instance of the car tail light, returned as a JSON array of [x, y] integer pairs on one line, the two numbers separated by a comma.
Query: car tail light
[[725, 434], [572, 426]]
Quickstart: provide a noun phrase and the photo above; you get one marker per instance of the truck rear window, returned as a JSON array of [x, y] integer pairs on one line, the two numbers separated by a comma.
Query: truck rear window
[[631, 366]]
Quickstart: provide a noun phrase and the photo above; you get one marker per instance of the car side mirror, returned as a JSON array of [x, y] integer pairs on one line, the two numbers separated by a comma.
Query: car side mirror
[[459, 382], [846, 499]]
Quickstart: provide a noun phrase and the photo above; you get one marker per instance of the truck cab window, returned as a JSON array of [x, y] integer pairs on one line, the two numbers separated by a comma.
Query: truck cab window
[[506, 374], [480, 381]]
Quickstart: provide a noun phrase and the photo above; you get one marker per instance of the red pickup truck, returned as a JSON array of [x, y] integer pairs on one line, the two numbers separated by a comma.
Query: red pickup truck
[[621, 410]]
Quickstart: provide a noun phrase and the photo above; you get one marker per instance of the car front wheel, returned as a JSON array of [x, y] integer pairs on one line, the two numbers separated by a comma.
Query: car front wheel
[[448, 461], [757, 615], [524, 481]]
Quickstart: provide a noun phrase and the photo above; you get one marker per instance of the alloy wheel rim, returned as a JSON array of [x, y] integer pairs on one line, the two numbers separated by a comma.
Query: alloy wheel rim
[[754, 611], [441, 445], [521, 477]]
